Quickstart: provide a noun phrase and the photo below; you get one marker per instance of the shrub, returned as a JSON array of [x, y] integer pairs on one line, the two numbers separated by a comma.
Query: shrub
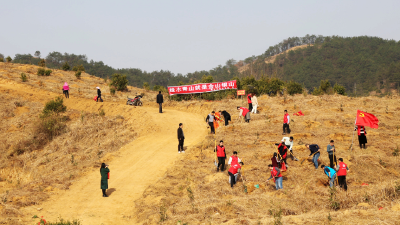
[[78, 74], [24, 78], [120, 82], [294, 88], [102, 113], [66, 66], [41, 71], [339, 89], [55, 106], [1, 59], [79, 68], [159, 88], [317, 91], [8, 59], [112, 91], [42, 63], [325, 85], [146, 86], [48, 72]]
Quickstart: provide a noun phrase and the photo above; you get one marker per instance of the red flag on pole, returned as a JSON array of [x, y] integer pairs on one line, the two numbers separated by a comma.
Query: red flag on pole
[[366, 119]]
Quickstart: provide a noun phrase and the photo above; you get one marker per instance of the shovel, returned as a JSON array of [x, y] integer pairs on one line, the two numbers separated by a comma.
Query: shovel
[[293, 156], [308, 157], [215, 160]]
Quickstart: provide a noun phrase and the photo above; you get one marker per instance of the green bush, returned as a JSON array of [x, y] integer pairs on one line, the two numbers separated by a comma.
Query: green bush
[[78, 74], [317, 91], [339, 89], [48, 72], [24, 78], [41, 71], [119, 82], [159, 88], [79, 68], [1, 60], [112, 91], [66, 66], [55, 106], [146, 86], [9, 59], [42, 63], [294, 88], [325, 86]]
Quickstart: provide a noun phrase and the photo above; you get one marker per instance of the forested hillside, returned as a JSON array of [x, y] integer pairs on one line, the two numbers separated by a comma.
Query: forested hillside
[[367, 63]]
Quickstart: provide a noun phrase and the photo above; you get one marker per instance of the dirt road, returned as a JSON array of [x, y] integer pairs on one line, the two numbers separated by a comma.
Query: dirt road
[[133, 168]]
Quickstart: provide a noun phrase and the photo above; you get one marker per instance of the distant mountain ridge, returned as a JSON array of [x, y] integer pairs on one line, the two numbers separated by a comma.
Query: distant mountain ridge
[[362, 63]]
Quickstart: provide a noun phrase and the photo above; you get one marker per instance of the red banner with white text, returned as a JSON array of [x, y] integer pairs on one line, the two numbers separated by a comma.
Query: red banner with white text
[[201, 88]]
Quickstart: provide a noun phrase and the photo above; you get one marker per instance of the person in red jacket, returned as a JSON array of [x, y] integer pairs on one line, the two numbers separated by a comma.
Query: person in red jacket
[[276, 175], [234, 159], [234, 173], [249, 101], [283, 152], [286, 121], [342, 172], [245, 113], [362, 138], [220, 150]]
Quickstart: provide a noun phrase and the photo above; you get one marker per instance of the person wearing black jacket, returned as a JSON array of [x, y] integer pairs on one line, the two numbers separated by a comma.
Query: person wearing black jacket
[[160, 101], [99, 95], [227, 117], [181, 138]]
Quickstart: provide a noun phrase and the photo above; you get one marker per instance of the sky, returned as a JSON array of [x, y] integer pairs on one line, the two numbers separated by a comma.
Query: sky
[[182, 36]]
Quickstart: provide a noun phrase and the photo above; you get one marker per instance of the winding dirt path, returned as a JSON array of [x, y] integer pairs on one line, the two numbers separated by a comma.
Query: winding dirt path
[[135, 167]]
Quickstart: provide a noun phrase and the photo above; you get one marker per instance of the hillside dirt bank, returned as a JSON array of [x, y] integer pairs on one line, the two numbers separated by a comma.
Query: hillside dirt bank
[[133, 168]]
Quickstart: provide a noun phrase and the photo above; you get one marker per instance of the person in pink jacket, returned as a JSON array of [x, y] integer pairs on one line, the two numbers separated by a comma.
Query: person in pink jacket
[[66, 90]]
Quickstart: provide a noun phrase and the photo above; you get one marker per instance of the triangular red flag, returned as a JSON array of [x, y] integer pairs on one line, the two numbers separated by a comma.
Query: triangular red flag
[[366, 119]]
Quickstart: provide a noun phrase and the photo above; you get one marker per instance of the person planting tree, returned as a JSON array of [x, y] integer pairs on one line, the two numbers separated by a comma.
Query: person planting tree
[[331, 152], [234, 159], [210, 121], [234, 173], [276, 175], [245, 113], [342, 170], [331, 173], [314, 149]]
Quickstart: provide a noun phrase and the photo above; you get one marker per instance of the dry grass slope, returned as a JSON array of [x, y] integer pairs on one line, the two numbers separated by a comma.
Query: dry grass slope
[[193, 192]]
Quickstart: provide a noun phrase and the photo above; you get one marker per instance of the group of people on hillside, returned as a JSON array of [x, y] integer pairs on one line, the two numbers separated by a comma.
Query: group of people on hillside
[[65, 90], [214, 118]]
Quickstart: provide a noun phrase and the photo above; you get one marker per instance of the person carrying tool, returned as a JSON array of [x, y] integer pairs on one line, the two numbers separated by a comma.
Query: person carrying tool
[[234, 173], [181, 138], [275, 160], [276, 175], [286, 121], [362, 138], [289, 144], [331, 173], [314, 149], [249, 101], [98, 95], [220, 151], [210, 121], [217, 118], [283, 152], [245, 113], [342, 170], [234, 159], [227, 117], [331, 151]]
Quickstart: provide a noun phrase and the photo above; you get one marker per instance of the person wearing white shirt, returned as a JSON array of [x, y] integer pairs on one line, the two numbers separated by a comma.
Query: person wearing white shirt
[[234, 158], [254, 102], [289, 144]]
